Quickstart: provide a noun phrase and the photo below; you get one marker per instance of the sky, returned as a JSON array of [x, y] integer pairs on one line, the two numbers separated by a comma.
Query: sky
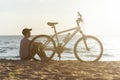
[[101, 17]]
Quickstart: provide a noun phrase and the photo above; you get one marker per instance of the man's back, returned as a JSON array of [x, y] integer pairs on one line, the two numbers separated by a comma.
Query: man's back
[[24, 44]]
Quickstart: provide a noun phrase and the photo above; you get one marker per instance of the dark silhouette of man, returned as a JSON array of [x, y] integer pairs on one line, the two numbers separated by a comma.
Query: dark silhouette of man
[[24, 47]]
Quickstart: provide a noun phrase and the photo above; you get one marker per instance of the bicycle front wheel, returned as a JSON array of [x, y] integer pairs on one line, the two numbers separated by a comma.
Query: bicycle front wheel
[[88, 48], [48, 46]]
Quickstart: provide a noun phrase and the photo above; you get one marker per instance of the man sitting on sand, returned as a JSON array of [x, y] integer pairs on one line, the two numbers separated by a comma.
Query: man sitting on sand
[[24, 47]]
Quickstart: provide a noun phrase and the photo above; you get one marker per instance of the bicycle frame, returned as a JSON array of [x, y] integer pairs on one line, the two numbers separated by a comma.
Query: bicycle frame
[[76, 29]]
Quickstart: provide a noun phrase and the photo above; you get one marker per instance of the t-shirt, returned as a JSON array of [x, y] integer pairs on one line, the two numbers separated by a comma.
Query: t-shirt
[[24, 45]]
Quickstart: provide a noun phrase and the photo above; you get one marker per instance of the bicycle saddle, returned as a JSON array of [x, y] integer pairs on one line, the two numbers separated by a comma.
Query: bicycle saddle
[[52, 23]]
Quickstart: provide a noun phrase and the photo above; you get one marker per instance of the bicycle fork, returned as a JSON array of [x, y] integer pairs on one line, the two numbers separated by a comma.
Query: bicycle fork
[[84, 40]]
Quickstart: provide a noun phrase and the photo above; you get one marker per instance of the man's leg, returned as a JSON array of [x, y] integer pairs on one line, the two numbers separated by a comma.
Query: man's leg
[[42, 54], [27, 58], [37, 49], [33, 52]]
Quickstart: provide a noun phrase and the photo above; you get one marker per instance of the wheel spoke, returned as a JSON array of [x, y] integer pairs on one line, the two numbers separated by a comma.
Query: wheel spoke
[[47, 45], [94, 52]]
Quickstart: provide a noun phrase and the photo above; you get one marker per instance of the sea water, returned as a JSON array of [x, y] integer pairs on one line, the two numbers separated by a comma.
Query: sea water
[[9, 48]]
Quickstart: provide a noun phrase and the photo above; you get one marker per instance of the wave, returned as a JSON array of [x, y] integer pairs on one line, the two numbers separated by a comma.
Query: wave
[[9, 47]]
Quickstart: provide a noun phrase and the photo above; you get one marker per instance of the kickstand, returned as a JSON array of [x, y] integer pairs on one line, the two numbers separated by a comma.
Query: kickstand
[[59, 59]]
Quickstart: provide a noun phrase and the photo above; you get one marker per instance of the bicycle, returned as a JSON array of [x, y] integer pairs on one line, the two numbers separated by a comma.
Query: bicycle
[[87, 47]]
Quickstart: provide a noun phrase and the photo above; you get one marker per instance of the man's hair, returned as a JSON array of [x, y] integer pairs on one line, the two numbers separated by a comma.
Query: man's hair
[[26, 30]]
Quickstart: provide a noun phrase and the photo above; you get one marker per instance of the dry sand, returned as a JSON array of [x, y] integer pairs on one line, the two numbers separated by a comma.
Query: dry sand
[[55, 70]]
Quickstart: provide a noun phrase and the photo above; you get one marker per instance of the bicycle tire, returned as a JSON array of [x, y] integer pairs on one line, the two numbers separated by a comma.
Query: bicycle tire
[[95, 49], [47, 42]]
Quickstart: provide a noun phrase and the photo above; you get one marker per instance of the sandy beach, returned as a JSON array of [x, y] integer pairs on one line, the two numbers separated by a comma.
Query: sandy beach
[[55, 70]]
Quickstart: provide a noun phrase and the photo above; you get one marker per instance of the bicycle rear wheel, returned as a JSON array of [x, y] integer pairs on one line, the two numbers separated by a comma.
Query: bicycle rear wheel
[[48, 46], [93, 52]]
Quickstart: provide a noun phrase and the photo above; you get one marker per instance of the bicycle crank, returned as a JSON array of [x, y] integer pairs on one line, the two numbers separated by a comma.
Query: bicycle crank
[[59, 50]]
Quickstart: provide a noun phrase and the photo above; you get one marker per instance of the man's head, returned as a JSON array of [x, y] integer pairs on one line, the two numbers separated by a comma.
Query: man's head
[[26, 32]]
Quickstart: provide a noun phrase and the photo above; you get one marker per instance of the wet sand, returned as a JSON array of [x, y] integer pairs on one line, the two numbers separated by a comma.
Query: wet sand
[[55, 70]]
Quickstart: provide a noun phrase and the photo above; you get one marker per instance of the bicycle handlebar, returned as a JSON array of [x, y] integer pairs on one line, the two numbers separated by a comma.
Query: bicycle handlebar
[[79, 14], [80, 18]]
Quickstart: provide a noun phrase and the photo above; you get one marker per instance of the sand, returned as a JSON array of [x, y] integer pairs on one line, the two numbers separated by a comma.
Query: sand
[[55, 70]]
